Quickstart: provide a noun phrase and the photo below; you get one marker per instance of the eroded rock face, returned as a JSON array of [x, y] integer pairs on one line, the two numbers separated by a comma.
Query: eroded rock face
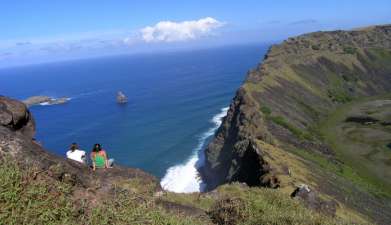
[[15, 116], [16, 143], [233, 155]]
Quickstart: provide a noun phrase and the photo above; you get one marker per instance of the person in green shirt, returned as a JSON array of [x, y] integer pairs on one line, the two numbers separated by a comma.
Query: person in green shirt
[[99, 158]]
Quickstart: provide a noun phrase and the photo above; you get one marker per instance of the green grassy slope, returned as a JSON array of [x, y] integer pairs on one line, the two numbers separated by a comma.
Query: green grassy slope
[[28, 200], [363, 145], [293, 102], [311, 91]]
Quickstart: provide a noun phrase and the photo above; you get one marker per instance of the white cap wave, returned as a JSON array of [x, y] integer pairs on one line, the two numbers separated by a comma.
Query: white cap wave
[[185, 178]]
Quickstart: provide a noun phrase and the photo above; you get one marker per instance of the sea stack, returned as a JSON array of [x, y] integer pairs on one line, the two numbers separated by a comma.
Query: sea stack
[[121, 98]]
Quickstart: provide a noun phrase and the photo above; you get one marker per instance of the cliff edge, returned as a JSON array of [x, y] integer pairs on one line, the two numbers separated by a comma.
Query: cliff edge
[[288, 123], [38, 187]]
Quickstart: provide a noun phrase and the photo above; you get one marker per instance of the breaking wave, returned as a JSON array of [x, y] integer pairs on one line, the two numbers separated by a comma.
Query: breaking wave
[[184, 178]]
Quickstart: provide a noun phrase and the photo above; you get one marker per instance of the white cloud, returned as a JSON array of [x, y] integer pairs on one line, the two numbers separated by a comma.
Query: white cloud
[[168, 31], [128, 41]]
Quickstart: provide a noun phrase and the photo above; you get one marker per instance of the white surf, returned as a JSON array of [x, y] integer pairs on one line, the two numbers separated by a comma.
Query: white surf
[[49, 103], [184, 178]]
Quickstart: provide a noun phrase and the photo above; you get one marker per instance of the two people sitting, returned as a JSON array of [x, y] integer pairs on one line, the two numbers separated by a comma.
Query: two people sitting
[[98, 156]]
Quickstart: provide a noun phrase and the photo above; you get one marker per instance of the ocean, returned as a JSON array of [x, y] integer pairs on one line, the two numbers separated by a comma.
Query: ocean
[[176, 103]]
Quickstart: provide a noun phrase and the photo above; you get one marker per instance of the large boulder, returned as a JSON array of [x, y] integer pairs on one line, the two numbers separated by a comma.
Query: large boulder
[[15, 116], [311, 199]]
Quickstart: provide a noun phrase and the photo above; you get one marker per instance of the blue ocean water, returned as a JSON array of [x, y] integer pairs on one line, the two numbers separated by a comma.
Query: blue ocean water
[[172, 99]]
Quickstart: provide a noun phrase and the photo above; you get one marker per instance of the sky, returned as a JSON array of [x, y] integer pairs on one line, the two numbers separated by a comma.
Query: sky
[[38, 31]]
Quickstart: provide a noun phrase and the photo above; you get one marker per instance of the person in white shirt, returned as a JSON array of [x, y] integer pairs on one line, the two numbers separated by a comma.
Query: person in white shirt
[[76, 154]]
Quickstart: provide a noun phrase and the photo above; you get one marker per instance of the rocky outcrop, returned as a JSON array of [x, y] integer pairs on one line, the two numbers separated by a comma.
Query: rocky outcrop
[[121, 98], [311, 199], [37, 100], [17, 144], [233, 155], [15, 116]]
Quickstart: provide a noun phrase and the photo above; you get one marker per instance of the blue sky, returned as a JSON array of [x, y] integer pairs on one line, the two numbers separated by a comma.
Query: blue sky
[[46, 30]]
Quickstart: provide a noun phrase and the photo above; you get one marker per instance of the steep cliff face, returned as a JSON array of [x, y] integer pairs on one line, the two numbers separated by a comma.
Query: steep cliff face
[[278, 112], [233, 155]]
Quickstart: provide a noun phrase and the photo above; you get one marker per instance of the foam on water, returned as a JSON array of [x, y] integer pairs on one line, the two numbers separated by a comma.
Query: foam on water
[[81, 95], [44, 103], [184, 178], [89, 93], [48, 103]]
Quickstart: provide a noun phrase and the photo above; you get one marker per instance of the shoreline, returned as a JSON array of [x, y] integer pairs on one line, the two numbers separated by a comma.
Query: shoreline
[[185, 177]]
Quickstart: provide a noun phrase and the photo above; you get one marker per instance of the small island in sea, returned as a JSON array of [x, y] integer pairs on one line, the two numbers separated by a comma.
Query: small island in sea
[[44, 100]]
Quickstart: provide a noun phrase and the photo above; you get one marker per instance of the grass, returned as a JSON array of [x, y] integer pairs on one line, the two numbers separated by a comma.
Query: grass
[[298, 166], [284, 123], [194, 199], [349, 50], [356, 168], [24, 200], [240, 205], [266, 110], [336, 91], [383, 57], [315, 47], [245, 206], [336, 168], [125, 209], [339, 95], [293, 129]]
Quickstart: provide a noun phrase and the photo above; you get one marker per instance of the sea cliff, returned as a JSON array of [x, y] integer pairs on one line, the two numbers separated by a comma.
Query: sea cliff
[[274, 134]]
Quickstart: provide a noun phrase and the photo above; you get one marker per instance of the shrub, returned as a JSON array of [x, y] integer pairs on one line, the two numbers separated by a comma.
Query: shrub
[[339, 96], [294, 130], [229, 211], [266, 110], [349, 50], [315, 47], [25, 200]]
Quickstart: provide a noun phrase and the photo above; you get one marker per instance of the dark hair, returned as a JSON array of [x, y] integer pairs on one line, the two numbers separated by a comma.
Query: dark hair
[[74, 146], [96, 147]]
